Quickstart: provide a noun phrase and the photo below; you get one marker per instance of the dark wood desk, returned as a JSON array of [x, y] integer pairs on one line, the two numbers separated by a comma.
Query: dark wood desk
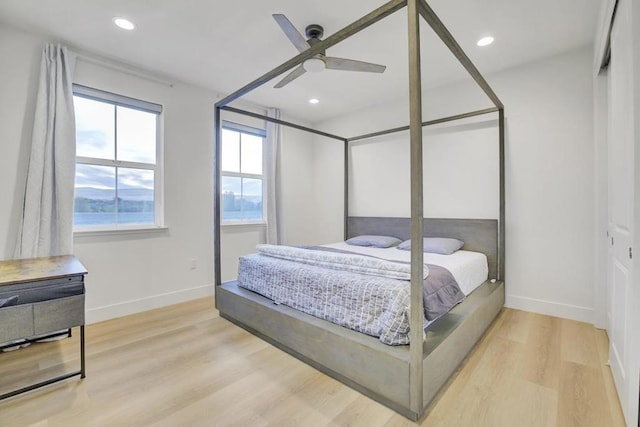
[[52, 293]]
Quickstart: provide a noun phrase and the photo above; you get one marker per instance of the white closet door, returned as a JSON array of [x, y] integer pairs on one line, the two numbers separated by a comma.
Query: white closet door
[[621, 215]]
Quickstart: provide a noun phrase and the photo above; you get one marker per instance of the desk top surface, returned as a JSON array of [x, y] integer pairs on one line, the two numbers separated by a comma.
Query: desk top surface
[[27, 270]]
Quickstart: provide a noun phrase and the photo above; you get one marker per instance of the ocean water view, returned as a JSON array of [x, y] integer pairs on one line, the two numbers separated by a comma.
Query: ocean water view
[[241, 215], [96, 207], [106, 218]]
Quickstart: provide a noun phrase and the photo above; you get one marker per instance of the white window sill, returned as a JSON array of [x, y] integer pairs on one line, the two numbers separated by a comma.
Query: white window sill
[[243, 224], [89, 232]]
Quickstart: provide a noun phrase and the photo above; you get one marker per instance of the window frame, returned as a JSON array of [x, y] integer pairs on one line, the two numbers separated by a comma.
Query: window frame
[[262, 133], [157, 168]]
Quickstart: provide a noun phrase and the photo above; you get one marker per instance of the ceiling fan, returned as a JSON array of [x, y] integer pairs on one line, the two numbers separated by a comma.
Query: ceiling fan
[[319, 62]]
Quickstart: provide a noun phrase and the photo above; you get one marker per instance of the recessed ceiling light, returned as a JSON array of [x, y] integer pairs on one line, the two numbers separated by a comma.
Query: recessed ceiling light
[[314, 101], [125, 24], [485, 41]]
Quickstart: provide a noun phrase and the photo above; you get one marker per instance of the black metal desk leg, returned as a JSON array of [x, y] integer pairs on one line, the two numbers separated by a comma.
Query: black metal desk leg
[[82, 364], [81, 372]]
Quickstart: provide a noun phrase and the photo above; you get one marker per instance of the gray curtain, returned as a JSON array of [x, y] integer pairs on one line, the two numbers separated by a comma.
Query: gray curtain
[[272, 175], [46, 226]]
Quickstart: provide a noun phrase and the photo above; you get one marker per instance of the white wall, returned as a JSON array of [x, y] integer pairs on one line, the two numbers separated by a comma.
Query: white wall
[[550, 185], [328, 194], [549, 175], [460, 169], [299, 215], [137, 271]]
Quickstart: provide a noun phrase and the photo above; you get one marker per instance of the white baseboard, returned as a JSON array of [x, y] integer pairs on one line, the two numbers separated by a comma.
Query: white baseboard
[[98, 314], [550, 308]]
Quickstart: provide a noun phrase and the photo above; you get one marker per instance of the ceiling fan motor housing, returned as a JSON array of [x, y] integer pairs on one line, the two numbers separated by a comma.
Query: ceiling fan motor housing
[[314, 32], [319, 61]]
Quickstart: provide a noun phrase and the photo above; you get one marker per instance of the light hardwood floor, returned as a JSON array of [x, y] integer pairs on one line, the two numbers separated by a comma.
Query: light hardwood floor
[[184, 365]]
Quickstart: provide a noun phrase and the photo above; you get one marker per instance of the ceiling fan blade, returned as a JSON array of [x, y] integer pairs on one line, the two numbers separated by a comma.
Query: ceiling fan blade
[[290, 31], [297, 72], [352, 65]]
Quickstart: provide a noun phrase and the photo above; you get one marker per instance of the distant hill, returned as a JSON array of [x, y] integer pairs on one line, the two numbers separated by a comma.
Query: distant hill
[[123, 193]]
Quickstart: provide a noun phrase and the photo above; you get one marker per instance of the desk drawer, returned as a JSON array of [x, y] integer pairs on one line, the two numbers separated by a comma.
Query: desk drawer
[[44, 290], [57, 314], [17, 322], [27, 320]]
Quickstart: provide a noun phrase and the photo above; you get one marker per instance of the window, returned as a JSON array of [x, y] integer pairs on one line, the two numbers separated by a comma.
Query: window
[[118, 174], [242, 179]]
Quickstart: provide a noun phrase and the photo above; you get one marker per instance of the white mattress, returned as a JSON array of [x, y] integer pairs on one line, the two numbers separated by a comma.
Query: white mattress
[[470, 269]]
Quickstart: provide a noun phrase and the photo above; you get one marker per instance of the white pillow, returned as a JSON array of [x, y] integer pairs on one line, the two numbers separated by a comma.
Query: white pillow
[[374, 241], [436, 245]]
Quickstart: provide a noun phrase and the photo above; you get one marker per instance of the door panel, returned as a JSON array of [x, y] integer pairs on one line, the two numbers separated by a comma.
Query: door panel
[[621, 202], [619, 321]]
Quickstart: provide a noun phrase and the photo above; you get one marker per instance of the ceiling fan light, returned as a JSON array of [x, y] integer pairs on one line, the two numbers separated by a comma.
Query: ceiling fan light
[[313, 65]]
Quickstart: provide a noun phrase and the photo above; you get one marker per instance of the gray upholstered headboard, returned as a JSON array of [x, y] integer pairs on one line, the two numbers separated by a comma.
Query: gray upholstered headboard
[[480, 235]]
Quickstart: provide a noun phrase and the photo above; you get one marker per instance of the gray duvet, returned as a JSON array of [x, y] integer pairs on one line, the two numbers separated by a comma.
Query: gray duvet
[[376, 306]]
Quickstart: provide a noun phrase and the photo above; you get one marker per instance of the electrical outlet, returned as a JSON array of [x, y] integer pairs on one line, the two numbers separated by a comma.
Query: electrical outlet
[[194, 263]]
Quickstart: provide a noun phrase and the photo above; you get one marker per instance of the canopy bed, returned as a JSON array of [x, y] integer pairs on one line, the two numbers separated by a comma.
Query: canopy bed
[[404, 377]]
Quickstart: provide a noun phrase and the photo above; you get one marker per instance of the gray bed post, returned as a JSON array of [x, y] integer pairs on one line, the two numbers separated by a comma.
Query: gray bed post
[[415, 131], [216, 199], [346, 189], [501, 225]]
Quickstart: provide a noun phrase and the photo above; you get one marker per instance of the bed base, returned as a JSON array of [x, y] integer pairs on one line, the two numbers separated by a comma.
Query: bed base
[[363, 362]]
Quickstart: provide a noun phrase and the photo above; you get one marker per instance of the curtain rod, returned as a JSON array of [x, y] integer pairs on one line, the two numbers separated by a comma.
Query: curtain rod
[[119, 66]]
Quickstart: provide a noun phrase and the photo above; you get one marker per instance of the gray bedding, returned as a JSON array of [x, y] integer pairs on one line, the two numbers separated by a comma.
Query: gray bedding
[[373, 305], [441, 291]]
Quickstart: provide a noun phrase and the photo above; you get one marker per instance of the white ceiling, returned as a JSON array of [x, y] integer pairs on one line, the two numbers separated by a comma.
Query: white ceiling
[[225, 45]]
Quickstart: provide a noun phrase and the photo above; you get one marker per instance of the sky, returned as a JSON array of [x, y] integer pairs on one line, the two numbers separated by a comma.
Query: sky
[[96, 138], [241, 153]]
